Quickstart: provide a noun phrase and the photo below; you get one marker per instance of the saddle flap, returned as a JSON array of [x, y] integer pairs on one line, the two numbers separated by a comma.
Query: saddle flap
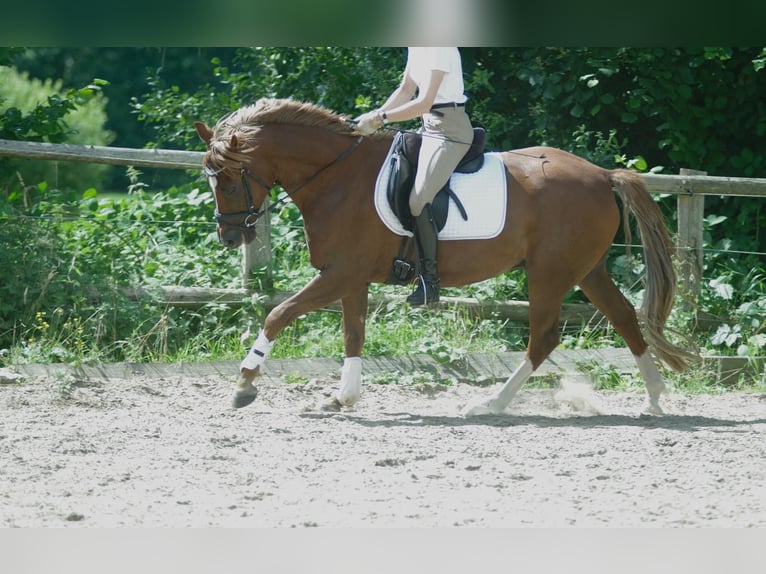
[[483, 196], [473, 160], [402, 164]]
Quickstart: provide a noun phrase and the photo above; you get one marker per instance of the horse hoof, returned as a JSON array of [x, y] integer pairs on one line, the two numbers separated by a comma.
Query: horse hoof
[[652, 410], [475, 411], [332, 405], [244, 398], [480, 408], [347, 400]]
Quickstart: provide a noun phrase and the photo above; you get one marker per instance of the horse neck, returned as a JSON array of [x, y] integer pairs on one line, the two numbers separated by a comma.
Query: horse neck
[[298, 154]]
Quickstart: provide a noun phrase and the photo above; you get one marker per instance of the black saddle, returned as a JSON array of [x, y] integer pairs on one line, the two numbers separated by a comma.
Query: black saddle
[[402, 161]]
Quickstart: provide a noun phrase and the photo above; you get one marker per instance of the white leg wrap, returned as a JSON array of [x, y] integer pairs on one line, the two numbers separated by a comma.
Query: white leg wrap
[[655, 384], [497, 403], [350, 388], [258, 353]]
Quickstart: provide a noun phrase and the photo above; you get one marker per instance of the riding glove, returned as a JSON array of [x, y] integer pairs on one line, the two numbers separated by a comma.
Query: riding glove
[[368, 123]]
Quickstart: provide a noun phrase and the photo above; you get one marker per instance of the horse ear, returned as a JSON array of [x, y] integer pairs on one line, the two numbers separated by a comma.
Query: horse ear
[[233, 143], [204, 132]]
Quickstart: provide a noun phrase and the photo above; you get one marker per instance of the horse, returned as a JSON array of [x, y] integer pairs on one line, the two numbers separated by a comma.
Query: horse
[[561, 220]]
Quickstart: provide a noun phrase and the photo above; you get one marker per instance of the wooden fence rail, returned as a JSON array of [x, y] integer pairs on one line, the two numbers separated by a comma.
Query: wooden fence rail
[[194, 297], [684, 184], [690, 186], [157, 158]]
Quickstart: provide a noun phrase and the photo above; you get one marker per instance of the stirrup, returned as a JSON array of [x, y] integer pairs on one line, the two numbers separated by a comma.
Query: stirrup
[[426, 293]]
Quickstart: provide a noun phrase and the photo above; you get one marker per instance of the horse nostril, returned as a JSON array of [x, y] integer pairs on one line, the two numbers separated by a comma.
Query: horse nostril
[[230, 237]]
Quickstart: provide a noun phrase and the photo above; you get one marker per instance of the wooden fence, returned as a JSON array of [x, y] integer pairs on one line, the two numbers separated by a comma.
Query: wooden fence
[[258, 252], [690, 186]]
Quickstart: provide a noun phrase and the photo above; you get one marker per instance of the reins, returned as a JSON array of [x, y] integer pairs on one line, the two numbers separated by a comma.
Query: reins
[[251, 215]]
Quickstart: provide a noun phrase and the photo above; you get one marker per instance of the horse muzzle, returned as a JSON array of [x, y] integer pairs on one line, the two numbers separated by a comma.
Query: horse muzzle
[[233, 237]]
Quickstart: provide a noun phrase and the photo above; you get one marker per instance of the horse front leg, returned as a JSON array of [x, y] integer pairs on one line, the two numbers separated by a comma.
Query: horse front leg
[[245, 391], [354, 317], [319, 292]]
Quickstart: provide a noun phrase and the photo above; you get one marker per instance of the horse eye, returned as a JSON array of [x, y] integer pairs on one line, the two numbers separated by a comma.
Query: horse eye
[[231, 190]]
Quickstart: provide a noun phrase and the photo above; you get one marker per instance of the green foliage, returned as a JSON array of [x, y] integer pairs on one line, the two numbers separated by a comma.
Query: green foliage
[[678, 107], [739, 298], [608, 377], [348, 80], [33, 110], [64, 299]]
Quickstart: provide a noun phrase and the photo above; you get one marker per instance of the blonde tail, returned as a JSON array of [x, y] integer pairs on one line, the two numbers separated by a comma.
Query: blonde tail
[[660, 286]]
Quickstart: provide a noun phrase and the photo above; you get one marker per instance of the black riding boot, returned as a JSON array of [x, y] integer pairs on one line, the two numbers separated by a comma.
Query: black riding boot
[[427, 290]]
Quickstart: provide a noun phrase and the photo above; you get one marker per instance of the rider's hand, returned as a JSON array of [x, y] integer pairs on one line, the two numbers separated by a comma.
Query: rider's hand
[[368, 123]]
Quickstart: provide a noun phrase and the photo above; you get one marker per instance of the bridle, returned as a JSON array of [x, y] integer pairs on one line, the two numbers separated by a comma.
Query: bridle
[[250, 216]]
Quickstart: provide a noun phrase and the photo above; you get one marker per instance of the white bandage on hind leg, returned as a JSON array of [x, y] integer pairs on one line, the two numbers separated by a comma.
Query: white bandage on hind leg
[[258, 353]]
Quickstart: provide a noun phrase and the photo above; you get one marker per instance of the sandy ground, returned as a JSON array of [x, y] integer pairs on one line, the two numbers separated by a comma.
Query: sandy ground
[[150, 451]]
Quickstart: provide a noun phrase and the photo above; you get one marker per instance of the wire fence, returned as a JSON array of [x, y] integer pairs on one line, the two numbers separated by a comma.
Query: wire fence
[[212, 225]]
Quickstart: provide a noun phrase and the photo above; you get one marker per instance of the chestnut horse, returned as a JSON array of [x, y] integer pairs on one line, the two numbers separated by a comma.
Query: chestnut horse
[[561, 219]]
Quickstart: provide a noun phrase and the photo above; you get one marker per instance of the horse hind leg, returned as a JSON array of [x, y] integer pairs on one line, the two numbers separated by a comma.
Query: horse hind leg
[[544, 310], [608, 299], [498, 402]]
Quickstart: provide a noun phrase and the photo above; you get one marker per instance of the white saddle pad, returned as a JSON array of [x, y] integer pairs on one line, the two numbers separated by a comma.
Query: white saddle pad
[[483, 195]]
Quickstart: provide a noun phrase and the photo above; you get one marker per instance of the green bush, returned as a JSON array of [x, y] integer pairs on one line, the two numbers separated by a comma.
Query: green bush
[[69, 258], [84, 124]]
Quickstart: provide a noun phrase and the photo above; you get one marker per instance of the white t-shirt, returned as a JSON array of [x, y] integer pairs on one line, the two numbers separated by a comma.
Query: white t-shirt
[[420, 63]]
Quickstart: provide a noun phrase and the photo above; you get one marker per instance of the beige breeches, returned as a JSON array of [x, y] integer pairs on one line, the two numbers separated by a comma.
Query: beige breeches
[[446, 139]]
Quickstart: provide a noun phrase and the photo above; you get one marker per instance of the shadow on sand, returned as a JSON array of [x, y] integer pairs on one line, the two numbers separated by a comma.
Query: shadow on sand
[[669, 422]]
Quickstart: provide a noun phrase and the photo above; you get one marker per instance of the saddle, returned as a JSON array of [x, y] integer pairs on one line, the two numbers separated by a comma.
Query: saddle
[[402, 161]]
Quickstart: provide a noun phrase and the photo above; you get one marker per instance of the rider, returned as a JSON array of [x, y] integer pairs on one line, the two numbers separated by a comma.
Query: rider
[[437, 76]]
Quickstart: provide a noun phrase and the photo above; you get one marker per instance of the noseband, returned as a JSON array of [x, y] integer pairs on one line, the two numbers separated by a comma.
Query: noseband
[[249, 217]]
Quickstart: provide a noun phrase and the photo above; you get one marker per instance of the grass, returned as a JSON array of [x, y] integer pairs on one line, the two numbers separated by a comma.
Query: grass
[[447, 335], [411, 378], [700, 378]]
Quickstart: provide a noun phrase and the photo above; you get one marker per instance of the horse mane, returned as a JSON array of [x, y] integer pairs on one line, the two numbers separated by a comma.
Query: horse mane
[[246, 122]]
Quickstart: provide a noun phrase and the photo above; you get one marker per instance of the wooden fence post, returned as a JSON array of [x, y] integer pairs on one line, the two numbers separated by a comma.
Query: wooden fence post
[[691, 208], [258, 252]]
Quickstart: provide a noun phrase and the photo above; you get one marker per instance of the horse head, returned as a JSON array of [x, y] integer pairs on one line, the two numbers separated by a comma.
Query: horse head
[[227, 169]]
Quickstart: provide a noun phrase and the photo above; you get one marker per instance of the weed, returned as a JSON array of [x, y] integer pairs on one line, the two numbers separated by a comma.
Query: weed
[[296, 378], [412, 378], [608, 377], [65, 385]]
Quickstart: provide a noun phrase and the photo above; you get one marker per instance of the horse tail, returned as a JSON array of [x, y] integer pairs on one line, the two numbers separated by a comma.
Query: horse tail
[[659, 293]]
